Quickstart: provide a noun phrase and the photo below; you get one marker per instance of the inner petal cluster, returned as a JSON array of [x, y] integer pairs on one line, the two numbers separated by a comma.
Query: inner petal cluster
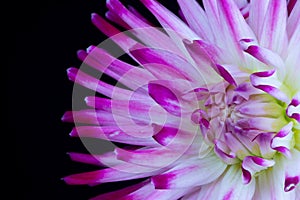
[[244, 126]]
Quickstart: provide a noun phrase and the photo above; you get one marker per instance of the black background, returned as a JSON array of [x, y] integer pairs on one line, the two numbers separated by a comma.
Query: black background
[[47, 36]]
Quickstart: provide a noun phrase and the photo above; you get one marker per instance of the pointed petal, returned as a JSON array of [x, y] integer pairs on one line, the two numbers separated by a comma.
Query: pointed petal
[[149, 35], [228, 187], [169, 20], [190, 173], [294, 19], [270, 184], [154, 157], [168, 64], [266, 56], [273, 35], [94, 84], [197, 19], [117, 134], [165, 97], [131, 76], [252, 165], [292, 171], [119, 38], [234, 27], [257, 12], [134, 110], [120, 193], [282, 141]]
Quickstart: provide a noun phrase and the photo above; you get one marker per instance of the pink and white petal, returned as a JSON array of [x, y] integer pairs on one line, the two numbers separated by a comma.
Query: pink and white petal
[[257, 12], [154, 157], [117, 134], [213, 16], [205, 56], [193, 195], [252, 165], [97, 85], [166, 60], [146, 33], [228, 187], [224, 153], [191, 173], [273, 35], [197, 19], [293, 58], [293, 20], [169, 20], [134, 110], [282, 141], [115, 35], [172, 194], [234, 28], [292, 171], [90, 116], [117, 173], [260, 109], [293, 109], [265, 124], [112, 16], [131, 76], [268, 82], [172, 137], [122, 192], [106, 159], [266, 56], [165, 97], [270, 184], [236, 146]]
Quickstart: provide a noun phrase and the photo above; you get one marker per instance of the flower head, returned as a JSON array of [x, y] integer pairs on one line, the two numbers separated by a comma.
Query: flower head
[[210, 111]]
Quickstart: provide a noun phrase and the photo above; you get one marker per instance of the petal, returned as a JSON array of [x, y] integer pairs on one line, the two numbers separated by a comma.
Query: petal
[[282, 141], [252, 165], [149, 35], [113, 33], [163, 64], [266, 56], [292, 171], [234, 27], [294, 19], [270, 184], [293, 109], [222, 150], [121, 193], [165, 97], [106, 159], [118, 173], [117, 134], [269, 83], [273, 35], [228, 187], [134, 110], [153, 157], [197, 19], [168, 20], [131, 76], [257, 12], [94, 84], [190, 173], [173, 137]]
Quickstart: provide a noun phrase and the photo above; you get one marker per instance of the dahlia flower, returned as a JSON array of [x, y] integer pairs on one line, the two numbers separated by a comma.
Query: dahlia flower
[[209, 108]]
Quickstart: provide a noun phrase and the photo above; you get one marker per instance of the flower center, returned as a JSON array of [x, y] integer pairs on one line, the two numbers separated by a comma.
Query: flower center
[[245, 126], [242, 121]]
